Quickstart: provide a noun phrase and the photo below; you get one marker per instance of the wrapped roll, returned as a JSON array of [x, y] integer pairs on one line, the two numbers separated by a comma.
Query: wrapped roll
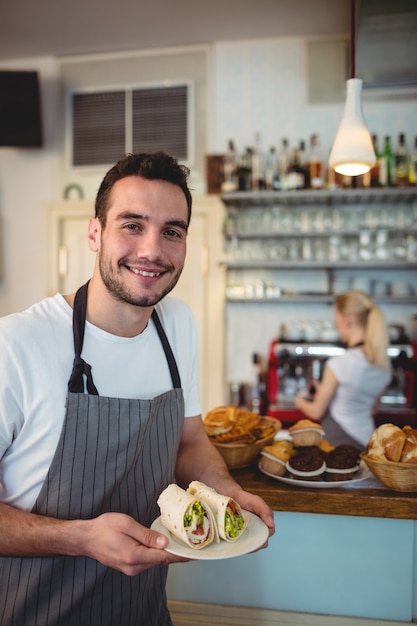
[[229, 516], [187, 517]]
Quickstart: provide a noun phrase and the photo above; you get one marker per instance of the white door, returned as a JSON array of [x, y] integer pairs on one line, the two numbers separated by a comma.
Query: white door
[[76, 258]]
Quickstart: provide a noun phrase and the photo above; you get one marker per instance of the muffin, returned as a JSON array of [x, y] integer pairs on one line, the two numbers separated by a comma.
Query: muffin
[[342, 463], [325, 446], [306, 464], [306, 433], [275, 456]]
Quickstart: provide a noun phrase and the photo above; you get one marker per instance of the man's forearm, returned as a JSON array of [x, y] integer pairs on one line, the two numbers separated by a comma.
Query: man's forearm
[[206, 464], [27, 534]]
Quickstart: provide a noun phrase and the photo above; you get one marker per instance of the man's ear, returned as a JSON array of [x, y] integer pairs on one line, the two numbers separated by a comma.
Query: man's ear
[[94, 234]]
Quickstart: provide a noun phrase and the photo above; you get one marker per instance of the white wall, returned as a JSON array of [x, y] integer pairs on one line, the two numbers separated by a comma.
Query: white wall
[[27, 179], [261, 86]]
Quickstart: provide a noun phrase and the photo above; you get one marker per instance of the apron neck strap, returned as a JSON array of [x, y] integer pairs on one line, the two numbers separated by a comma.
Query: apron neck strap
[[172, 364], [80, 367]]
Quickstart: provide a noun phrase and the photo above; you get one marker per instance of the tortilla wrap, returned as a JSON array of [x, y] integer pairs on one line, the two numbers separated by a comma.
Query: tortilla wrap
[[196, 530], [230, 519]]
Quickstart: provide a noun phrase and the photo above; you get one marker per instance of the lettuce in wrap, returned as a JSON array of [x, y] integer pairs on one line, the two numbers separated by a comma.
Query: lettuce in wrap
[[229, 516]]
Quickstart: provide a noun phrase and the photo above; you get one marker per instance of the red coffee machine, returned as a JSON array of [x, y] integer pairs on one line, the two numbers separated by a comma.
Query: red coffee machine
[[293, 365]]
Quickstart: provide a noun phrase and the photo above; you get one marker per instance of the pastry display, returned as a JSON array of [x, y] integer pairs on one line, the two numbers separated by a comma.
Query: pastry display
[[391, 456], [325, 445], [323, 462], [387, 443], [306, 464], [275, 456], [231, 424], [409, 451], [305, 432], [342, 463]]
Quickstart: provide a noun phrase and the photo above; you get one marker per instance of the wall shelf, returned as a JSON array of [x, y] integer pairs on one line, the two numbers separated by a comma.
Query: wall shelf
[[324, 265], [319, 298], [369, 233], [322, 196]]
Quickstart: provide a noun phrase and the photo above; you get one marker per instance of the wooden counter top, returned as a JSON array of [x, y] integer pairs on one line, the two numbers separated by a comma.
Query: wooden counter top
[[370, 499]]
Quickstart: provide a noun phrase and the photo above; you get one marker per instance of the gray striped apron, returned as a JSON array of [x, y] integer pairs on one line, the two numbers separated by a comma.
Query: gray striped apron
[[113, 455]]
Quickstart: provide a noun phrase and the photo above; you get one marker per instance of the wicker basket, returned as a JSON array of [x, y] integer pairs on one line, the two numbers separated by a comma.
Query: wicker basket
[[396, 476], [239, 455]]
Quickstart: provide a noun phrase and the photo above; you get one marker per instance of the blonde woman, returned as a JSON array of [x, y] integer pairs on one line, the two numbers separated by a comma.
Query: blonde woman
[[352, 383]]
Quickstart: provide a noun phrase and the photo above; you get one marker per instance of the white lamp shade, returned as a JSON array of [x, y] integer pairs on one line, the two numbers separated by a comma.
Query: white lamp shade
[[352, 152]]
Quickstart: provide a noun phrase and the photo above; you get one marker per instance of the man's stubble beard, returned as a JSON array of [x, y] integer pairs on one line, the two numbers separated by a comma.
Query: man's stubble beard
[[120, 292]]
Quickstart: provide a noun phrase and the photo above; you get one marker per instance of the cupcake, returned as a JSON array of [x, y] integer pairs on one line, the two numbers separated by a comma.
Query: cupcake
[[275, 456], [307, 464], [306, 433], [342, 463]]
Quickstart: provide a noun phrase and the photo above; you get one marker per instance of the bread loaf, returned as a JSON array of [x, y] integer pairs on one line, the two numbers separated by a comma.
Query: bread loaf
[[387, 442], [409, 451]]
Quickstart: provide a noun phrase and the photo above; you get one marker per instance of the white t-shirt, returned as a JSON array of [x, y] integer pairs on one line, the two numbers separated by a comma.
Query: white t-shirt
[[360, 384], [36, 355]]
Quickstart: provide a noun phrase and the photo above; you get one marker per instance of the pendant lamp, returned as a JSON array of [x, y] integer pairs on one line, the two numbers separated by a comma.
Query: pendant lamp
[[352, 152]]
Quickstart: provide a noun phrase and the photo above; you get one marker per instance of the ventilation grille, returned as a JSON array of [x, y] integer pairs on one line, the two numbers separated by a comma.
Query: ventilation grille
[[108, 124]]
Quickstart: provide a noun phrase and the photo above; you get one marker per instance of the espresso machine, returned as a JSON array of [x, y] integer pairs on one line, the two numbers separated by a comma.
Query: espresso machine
[[293, 365]]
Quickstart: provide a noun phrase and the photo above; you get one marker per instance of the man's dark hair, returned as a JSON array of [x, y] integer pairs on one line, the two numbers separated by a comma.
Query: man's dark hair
[[156, 166]]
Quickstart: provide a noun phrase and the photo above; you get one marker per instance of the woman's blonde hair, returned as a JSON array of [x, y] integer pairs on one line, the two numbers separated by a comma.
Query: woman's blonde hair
[[367, 314]]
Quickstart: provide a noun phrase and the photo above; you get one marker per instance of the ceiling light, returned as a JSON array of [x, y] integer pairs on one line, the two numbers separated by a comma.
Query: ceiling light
[[352, 153]]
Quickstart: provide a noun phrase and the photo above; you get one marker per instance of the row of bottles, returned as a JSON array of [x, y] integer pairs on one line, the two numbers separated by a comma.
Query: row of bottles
[[394, 168], [302, 168], [284, 169]]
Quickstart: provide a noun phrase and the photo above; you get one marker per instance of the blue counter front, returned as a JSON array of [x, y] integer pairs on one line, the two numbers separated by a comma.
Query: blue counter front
[[346, 565]]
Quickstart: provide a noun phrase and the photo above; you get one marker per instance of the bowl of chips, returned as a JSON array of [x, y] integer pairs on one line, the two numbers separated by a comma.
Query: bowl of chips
[[238, 434]]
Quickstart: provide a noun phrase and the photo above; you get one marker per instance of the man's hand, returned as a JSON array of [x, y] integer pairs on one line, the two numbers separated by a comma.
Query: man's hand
[[114, 539], [118, 541]]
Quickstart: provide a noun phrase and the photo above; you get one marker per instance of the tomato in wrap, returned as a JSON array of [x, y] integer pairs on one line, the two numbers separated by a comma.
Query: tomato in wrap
[[187, 517]]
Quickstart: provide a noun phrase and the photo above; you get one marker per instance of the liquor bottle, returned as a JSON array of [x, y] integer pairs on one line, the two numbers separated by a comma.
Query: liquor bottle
[[230, 168], [296, 178], [244, 171], [303, 158], [386, 164], [401, 162], [271, 170], [257, 165], [315, 164], [283, 163], [375, 168], [412, 170]]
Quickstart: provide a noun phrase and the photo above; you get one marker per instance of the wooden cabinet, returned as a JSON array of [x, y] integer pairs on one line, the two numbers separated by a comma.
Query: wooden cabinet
[[69, 263]]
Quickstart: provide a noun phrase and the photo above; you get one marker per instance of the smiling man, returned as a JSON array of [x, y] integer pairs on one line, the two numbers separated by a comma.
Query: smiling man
[[99, 412]]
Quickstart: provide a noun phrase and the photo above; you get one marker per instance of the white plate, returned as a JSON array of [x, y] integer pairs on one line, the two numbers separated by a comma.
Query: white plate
[[362, 473], [254, 537]]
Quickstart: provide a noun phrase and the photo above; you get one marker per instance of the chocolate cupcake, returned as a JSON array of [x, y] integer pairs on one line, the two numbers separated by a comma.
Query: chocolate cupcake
[[308, 464], [342, 463]]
